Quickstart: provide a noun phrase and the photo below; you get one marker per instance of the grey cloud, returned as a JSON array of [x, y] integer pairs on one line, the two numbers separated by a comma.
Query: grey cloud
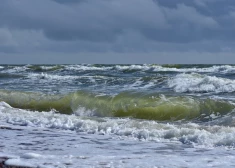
[[206, 7], [94, 21], [6, 38], [185, 14], [187, 25], [117, 25]]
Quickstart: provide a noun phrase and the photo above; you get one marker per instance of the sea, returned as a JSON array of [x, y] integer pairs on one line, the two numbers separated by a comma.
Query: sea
[[114, 116]]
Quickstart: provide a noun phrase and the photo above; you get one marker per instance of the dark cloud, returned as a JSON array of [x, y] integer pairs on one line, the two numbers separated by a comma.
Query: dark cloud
[[94, 21], [117, 25]]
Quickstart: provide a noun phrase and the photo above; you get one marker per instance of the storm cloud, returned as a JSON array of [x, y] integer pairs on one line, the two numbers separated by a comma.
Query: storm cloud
[[117, 26]]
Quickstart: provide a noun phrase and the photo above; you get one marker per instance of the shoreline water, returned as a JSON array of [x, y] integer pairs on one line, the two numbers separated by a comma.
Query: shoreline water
[[71, 149]]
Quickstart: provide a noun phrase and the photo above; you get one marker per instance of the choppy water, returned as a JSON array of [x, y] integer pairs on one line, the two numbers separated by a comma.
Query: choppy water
[[186, 107]]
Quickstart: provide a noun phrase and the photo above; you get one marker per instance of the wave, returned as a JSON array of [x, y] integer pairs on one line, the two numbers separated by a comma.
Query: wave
[[73, 80], [184, 68], [14, 69], [132, 68], [88, 67], [143, 82], [123, 68], [7, 75], [30, 68], [178, 68], [102, 81], [186, 133], [197, 83], [40, 68], [66, 77], [52, 77], [126, 104]]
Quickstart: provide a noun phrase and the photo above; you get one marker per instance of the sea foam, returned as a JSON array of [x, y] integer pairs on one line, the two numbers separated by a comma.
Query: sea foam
[[188, 133], [200, 83]]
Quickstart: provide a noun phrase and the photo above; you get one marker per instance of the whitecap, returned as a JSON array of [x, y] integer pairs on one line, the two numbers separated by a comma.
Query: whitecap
[[87, 68], [200, 83], [143, 67], [51, 77], [16, 69]]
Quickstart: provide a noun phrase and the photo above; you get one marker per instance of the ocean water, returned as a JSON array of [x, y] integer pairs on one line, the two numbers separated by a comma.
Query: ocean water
[[117, 115]]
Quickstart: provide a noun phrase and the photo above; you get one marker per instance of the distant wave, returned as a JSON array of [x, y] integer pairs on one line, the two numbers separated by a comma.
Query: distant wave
[[178, 68], [122, 68], [14, 69], [212, 69], [197, 83], [131, 83], [87, 67], [51, 76], [43, 68]]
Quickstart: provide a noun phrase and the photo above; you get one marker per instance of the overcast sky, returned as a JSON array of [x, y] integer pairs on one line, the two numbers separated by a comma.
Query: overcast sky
[[117, 31]]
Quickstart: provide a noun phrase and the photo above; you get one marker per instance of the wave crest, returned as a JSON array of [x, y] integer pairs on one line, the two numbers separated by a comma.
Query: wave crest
[[197, 83], [126, 104]]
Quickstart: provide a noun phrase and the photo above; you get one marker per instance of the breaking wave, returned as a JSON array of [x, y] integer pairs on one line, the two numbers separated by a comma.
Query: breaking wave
[[186, 133], [197, 68], [197, 83], [88, 67], [14, 69], [39, 68], [126, 104], [51, 77]]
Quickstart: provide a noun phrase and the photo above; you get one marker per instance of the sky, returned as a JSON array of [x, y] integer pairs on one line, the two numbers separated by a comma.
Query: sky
[[117, 31]]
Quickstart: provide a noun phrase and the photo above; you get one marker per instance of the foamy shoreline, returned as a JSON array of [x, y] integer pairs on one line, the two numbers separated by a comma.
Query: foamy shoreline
[[40, 147]]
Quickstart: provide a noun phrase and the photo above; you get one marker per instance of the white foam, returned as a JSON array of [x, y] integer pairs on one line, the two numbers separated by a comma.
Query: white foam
[[51, 77], [86, 68], [206, 136], [32, 156], [133, 67], [215, 69], [134, 85], [157, 68], [140, 84], [4, 105], [144, 67], [200, 83], [17, 162], [16, 69]]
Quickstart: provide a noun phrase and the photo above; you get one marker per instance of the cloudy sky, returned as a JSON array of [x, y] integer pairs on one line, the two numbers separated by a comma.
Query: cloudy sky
[[117, 31]]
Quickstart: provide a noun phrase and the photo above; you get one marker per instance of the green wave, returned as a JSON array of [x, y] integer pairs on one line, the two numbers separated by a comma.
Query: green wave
[[126, 104], [36, 101]]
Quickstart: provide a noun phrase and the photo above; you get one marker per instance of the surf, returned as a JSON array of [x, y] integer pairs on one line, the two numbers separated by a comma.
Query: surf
[[149, 106]]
